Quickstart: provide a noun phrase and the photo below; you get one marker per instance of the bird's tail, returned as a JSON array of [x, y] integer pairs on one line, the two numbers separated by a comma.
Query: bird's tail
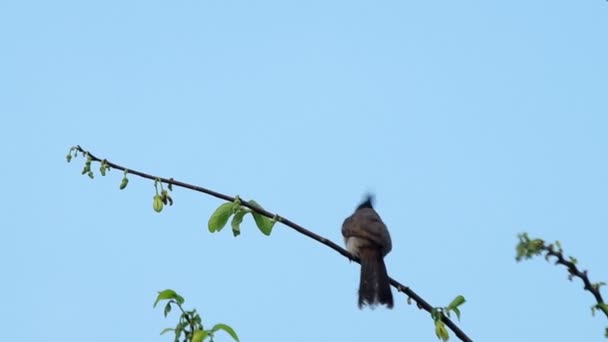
[[374, 286]]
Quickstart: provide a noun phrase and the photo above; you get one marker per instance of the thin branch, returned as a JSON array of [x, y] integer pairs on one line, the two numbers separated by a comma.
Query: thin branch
[[420, 302], [528, 248], [575, 272]]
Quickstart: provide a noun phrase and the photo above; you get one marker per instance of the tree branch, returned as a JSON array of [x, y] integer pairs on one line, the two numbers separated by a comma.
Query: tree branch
[[420, 302], [527, 248], [575, 272]]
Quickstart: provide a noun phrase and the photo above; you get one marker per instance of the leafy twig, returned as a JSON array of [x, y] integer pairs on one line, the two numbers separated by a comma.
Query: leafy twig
[[528, 248], [190, 323], [420, 302]]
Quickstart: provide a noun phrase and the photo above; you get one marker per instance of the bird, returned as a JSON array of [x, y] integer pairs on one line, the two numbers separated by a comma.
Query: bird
[[367, 237]]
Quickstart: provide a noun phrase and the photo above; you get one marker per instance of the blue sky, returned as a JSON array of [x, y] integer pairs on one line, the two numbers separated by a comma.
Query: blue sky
[[472, 121]]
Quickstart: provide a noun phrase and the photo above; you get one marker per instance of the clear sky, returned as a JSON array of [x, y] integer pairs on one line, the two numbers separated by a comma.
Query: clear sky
[[472, 121]]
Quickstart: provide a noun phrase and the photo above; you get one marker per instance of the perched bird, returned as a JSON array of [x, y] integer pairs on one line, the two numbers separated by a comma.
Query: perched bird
[[366, 236]]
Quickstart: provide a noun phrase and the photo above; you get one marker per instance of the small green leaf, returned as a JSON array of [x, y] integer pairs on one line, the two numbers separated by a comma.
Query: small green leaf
[[103, 167], [227, 329], [441, 331], [164, 195], [157, 203], [458, 301], [169, 294], [220, 216], [178, 330], [90, 174], [69, 156], [167, 309], [199, 335], [264, 224], [123, 183], [166, 330], [436, 314], [255, 204], [603, 307], [237, 219], [573, 259], [457, 312], [197, 319], [519, 252]]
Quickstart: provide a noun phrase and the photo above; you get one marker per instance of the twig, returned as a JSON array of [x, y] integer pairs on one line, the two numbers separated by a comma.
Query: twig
[[527, 248], [575, 272]]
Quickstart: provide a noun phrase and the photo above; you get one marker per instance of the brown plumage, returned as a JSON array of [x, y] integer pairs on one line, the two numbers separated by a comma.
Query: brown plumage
[[367, 237]]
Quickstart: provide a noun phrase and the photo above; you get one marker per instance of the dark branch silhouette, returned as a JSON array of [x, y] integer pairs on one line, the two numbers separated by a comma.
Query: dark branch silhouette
[[421, 303], [528, 248], [575, 272]]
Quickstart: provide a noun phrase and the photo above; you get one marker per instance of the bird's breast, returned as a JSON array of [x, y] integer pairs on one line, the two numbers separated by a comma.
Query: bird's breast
[[354, 245]]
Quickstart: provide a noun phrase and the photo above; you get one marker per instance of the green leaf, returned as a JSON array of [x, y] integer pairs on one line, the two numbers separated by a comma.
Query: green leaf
[[457, 312], [458, 301], [69, 156], [157, 203], [169, 294], [519, 252], [199, 335], [436, 314], [197, 319], [237, 219], [179, 328], [441, 331], [164, 195], [123, 183], [166, 330], [603, 307], [220, 216], [606, 333], [227, 329], [264, 223], [167, 309]]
